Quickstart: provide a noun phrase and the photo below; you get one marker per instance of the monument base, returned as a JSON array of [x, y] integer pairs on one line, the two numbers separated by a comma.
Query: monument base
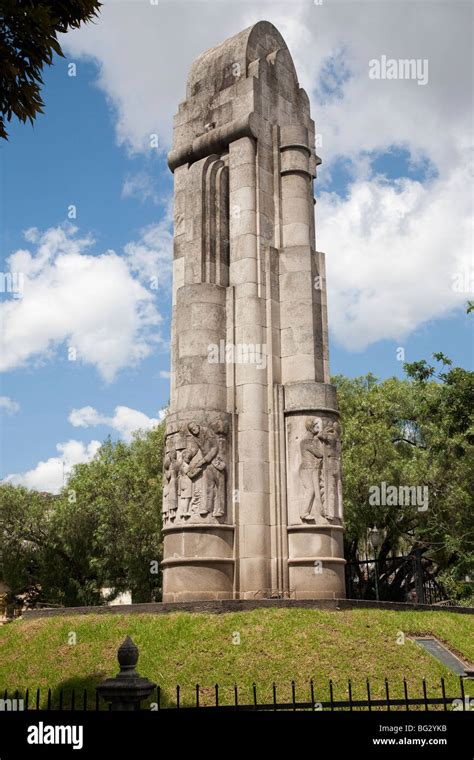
[[199, 564]]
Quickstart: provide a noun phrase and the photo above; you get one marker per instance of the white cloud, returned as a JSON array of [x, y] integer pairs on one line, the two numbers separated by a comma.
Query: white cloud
[[140, 186], [165, 374], [75, 300], [327, 42], [397, 256], [151, 257], [51, 474], [391, 250], [124, 420], [8, 405], [145, 85]]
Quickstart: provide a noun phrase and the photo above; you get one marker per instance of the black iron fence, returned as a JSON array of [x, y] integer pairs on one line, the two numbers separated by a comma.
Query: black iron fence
[[395, 579], [304, 697]]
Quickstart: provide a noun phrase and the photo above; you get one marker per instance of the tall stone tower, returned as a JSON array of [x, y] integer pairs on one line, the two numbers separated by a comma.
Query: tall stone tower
[[252, 473]]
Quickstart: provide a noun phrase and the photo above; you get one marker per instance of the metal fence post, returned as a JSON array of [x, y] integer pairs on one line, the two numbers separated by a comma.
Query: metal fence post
[[127, 689], [420, 591]]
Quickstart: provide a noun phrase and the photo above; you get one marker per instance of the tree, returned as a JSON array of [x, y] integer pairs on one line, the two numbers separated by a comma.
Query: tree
[[24, 538], [122, 488], [28, 40], [416, 432], [102, 530]]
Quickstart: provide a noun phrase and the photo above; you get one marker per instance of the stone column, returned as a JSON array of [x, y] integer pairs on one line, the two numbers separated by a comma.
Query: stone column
[[252, 509], [197, 510], [252, 482]]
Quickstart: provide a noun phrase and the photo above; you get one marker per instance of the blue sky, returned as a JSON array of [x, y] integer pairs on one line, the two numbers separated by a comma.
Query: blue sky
[[76, 154]]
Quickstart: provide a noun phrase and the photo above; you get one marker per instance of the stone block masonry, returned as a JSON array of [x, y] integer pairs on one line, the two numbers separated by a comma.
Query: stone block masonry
[[252, 506]]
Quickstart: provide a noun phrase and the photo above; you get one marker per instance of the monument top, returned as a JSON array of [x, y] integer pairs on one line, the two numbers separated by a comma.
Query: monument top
[[217, 66], [231, 88]]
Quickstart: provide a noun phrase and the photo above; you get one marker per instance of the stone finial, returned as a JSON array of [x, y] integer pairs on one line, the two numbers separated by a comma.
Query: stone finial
[[127, 656], [127, 689]]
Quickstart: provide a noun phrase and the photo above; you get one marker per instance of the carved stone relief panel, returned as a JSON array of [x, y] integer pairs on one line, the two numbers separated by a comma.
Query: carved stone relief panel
[[195, 472], [314, 469]]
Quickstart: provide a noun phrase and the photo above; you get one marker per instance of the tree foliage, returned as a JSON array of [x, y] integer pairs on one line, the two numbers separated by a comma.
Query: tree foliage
[[102, 530], [28, 41], [416, 432]]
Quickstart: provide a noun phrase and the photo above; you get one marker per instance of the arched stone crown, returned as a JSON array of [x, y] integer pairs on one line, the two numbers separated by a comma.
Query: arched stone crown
[[214, 70], [233, 86]]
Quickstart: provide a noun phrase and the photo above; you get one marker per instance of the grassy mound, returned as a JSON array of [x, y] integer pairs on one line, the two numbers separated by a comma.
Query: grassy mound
[[276, 645]]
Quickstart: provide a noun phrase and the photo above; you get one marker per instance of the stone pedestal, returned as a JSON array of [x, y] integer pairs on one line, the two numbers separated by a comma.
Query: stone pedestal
[[252, 473]]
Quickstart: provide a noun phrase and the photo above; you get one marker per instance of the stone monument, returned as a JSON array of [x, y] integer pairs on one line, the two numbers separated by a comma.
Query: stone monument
[[252, 502]]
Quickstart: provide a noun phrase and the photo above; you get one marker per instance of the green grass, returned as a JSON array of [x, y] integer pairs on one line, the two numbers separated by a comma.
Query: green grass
[[277, 645]]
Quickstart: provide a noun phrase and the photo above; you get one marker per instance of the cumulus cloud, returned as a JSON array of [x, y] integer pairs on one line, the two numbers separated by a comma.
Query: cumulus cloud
[[51, 474], [399, 255], [331, 44], [124, 420], [8, 405], [389, 271], [151, 257], [90, 305]]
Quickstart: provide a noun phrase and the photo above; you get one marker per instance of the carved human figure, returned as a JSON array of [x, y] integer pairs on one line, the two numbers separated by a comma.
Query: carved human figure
[[170, 490], [310, 470], [166, 485], [185, 483], [221, 429], [207, 466], [332, 439]]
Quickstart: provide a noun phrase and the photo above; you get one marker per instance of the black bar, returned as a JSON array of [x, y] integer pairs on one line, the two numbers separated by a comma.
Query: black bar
[[425, 696], [443, 691], [461, 682]]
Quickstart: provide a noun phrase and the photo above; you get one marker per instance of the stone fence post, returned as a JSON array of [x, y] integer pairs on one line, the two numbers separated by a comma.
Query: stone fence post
[[127, 689]]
